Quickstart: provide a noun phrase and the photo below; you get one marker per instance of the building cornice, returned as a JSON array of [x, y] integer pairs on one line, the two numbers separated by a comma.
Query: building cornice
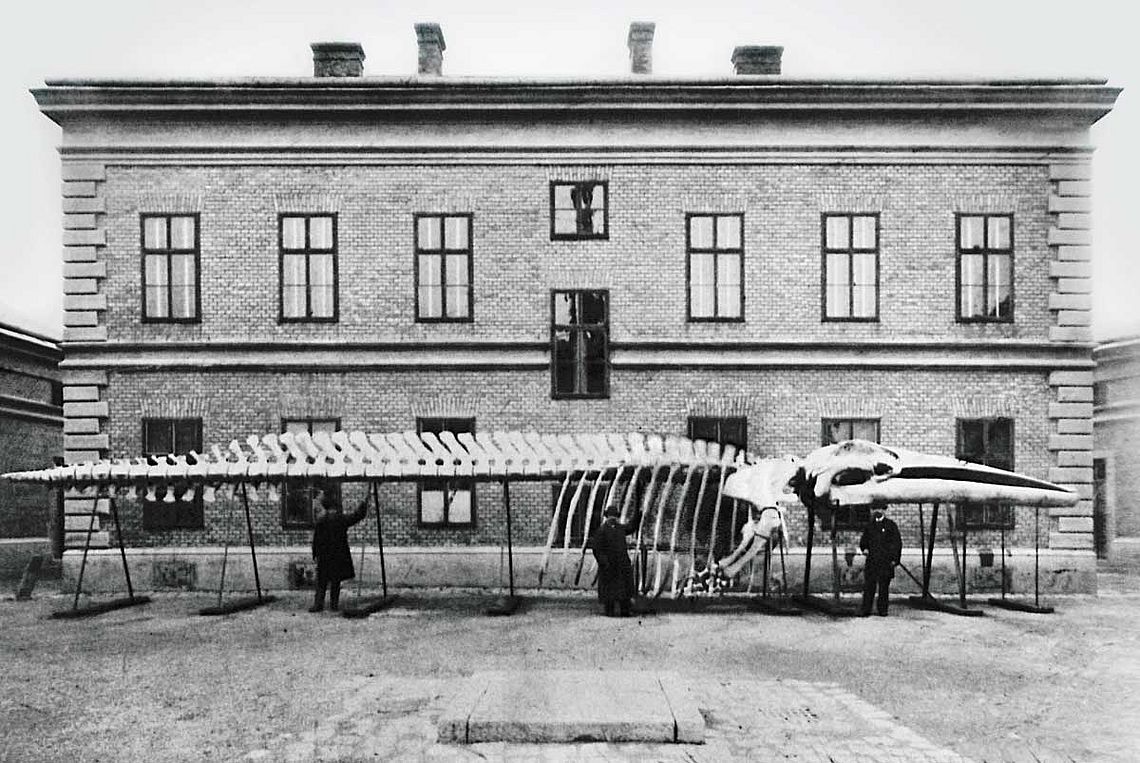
[[1085, 99]]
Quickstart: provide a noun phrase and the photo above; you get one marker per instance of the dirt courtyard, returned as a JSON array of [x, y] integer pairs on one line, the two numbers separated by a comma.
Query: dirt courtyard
[[159, 682]]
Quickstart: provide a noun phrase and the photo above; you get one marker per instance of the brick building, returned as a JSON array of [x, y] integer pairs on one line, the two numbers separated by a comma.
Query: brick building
[[765, 260], [1116, 466], [31, 437]]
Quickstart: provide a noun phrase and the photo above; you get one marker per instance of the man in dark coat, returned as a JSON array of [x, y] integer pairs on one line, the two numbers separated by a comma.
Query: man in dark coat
[[615, 573], [330, 547], [882, 544]]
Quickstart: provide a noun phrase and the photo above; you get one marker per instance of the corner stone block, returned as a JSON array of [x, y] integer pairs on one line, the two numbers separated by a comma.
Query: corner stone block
[[1075, 171], [1062, 237], [85, 334], [1071, 378], [81, 426], [80, 318], [83, 171], [1070, 334], [80, 286], [75, 221], [1070, 410], [86, 442], [84, 301], [1067, 458], [1070, 302], [97, 237], [1071, 540], [1074, 318], [76, 188], [1074, 188], [1056, 441], [1074, 395], [1074, 220], [1069, 204], [1075, 524], [1074, 285], [1079, 474], [77, 540], [86, 204], [79, 523], [1068, 269], [80, 456], [1074, 253], [85, 376], [1082, 509], [1084, 491], [102, 411], [84, 270], [74, 394], [84, 505], [79, 254], [1074, 426]]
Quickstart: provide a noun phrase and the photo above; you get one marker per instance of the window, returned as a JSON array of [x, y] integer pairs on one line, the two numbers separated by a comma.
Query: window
[[716, 267], [985, 268], [297, 500], [578, 530], [308, 268], [838, 430], [170, 268], [851, 267], [834, 431], [579, 210], [730, 430], [443, 268], [579, 337], [447, 502], [177, 437], [988, 442]]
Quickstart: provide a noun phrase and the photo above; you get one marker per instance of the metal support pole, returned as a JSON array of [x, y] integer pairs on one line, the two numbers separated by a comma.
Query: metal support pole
[[834, 558], [83, 563], [767, 566], [510, 546], [962, 581], [252, 551], [225, 555], [1037, 556], [380, 538], [122, 549], [930, 551], [1003, 560], [921, 540]]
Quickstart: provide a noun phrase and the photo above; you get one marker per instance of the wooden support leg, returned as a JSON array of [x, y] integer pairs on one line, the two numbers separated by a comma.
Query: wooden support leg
[[363, 607], [239, 605], [507, 605]]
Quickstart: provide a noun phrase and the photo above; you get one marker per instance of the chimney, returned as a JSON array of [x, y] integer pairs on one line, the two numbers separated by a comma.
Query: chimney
[[641, 47], [430, 39], [337, 59], [757, 59]]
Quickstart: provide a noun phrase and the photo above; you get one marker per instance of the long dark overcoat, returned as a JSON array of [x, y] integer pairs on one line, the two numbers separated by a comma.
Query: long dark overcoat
[[883, 544], [330, 544], [615, 573]]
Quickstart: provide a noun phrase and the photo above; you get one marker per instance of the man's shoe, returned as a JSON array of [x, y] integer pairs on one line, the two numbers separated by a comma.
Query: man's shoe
[[880, 614], [315, 608], [863, 614]]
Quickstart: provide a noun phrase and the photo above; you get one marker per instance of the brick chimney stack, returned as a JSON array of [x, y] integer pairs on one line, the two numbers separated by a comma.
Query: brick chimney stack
[[757, 59], [430, 39], [641, 47], [337, 59]]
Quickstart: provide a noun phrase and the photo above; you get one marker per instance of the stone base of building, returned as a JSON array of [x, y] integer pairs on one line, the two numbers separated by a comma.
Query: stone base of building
[[15, 553], [1125, 552], [292, 568]]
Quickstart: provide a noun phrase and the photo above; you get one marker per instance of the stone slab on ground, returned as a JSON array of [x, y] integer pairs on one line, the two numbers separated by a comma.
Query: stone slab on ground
[[572, 706]]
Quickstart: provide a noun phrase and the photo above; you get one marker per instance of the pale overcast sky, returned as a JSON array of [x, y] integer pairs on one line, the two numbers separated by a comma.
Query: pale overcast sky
[[869, 38]]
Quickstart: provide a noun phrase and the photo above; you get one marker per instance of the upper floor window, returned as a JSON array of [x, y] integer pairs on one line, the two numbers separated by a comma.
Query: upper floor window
[[579, 210], [308, 267], [447, 502], [580, 348], [716, 267], [722, 430], [850, 267], [177, 437], [443, 268], [985, 268], [838, 430], [170, 268], [988, 442], [297, 500]]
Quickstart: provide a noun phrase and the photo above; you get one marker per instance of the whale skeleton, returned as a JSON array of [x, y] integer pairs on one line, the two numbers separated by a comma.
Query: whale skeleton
[[678, 485]]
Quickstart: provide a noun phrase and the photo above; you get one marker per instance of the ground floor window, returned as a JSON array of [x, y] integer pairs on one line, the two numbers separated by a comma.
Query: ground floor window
[[162, 437], [297, 501], [446, 502], [988, 442], [835, 431]]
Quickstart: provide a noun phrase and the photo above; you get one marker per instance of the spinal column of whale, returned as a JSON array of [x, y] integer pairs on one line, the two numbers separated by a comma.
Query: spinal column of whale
[[675, 486]]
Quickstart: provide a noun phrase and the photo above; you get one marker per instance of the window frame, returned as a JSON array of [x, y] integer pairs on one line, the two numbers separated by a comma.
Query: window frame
[[741, 421], [468, 483], [850, 251], [715, 251], [827, 421], [195, 507], [961, 510], [986, 253], [555, 327], [853, 517], [604, 235], [443, 253], [286, 524], [307, 252], [169, 252]]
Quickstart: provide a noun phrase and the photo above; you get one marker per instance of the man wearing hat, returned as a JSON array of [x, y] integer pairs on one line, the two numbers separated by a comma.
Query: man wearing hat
[[882, 544], [615, 573], [330, 545]]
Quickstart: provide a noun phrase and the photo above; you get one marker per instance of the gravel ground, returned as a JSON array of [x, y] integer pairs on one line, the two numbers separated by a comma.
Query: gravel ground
[[159, 682]]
